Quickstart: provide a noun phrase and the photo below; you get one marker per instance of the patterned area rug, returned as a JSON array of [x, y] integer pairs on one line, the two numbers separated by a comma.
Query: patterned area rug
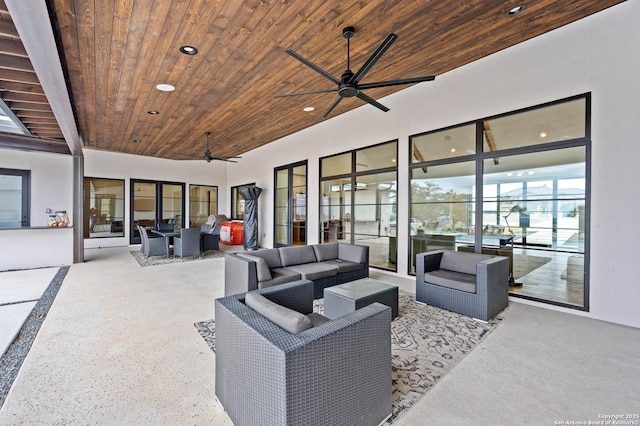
[[163, 260], [426, 343]]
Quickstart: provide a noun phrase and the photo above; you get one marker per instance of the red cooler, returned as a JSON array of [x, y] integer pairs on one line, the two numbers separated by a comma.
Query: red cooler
[[231, 232]]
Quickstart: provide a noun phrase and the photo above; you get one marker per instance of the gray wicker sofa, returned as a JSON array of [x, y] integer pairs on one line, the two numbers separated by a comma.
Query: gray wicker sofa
[[476, 285], [335, 373], [324, 264]]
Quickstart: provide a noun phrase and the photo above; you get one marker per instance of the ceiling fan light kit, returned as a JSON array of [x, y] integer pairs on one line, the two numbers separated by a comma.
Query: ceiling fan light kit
[[349, 84]]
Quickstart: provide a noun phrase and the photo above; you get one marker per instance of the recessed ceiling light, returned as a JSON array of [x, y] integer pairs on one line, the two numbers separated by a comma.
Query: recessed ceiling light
[[308, 109], [543, 135], [188, 50], [515, 10], [393, 160], [163, 87], [453, 150], [153, 112]]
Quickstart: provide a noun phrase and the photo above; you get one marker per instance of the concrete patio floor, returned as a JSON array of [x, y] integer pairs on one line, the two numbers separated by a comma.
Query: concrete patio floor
[[118, 346]]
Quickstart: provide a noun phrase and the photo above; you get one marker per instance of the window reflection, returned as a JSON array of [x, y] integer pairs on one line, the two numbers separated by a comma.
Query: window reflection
[[103, 208], [203, 201]]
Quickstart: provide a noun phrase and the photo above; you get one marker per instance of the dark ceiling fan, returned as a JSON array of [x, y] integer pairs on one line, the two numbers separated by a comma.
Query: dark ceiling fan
[[208, 157], [349, 85]]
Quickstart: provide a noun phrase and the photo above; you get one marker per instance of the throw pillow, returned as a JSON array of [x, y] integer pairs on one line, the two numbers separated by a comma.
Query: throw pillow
[[288, 319]]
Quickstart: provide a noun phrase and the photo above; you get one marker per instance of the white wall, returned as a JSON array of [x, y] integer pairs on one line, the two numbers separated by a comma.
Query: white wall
[[51, 188], [599, 54], [103, 164]]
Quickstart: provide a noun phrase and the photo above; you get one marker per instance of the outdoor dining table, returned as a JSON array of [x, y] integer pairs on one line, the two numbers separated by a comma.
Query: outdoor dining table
[[167, 237]]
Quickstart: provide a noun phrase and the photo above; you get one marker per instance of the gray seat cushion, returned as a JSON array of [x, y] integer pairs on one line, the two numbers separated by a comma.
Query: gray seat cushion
[[280, 276], [288, 319], [315, 270], [297, 255], [451, 279], [461, 262], [326, 251], [344, 265]]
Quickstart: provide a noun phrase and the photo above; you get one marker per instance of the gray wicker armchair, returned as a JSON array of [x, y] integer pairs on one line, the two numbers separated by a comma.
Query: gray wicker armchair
[[151, 246], [337, 373], [476, 285], [187, 243]]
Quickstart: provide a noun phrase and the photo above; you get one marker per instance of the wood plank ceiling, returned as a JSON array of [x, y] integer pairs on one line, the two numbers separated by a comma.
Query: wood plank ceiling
[[116, 52]]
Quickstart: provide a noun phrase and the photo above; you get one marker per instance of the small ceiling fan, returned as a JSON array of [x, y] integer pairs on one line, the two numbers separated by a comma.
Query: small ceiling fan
[[349, 85], [208, 157]]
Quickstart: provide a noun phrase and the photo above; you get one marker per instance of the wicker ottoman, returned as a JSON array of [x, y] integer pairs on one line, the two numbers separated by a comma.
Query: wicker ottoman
[[345, 298]]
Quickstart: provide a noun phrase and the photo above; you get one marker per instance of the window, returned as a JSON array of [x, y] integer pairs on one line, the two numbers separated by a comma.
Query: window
[[359, 201], [519, 190], [14, 198], [237, 202], [103, 208], [203, 201]]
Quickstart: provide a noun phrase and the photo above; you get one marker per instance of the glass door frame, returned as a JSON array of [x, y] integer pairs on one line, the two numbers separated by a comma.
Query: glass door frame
[[134, 237], [291, 206]]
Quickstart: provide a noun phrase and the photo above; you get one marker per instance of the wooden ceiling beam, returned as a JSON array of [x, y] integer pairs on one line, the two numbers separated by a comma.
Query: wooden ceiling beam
[[7, 29], [28, 106], [30, 143], [18, 87], [12, 47], [24, 97], [418, 156], [18, 76], [43, 120], [36, 114], [18, 63], [43, 125], [490, 140]]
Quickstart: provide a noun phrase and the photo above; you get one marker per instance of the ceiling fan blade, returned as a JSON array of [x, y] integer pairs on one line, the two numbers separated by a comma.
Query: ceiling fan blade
[[396, 82], [224, 159], [312, 66], [305, 93], [332, 106], [372, 102], [374, 58]]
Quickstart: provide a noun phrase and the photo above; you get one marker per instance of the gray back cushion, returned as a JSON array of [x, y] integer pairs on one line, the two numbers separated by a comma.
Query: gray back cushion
[[271, 256], [326, 251], [297, 255], [461, 262], [288, 319], [262, 269], [353, 253]]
